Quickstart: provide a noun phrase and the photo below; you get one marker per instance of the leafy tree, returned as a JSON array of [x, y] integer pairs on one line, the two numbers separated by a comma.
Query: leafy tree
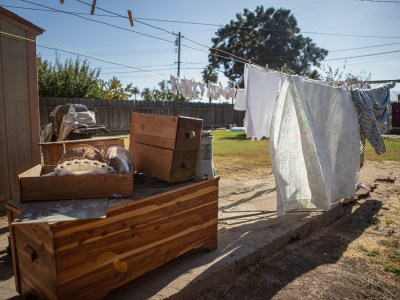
[[113, 90], [340, 76], [75, 79], [210, 74], [265, 36], [71, 79]]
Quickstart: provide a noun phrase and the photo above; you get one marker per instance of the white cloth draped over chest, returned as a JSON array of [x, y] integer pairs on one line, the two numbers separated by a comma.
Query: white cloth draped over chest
[[314, 145]]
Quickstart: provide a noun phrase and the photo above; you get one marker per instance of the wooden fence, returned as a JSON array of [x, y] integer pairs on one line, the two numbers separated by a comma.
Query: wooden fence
[[116, 114]]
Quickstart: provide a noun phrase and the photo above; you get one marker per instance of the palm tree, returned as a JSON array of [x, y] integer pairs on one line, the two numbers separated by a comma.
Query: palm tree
[[146, 94], [135, 90]]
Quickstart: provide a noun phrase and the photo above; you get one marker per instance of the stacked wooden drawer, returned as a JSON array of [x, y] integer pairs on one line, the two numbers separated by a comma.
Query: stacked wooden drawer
[[165, 147]]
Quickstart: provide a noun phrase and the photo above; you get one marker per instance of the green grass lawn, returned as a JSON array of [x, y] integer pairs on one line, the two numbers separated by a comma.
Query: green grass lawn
[[234, 153], [233, 149]]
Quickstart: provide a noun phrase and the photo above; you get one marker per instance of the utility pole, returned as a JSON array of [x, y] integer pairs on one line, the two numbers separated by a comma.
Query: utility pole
[[178, 44]]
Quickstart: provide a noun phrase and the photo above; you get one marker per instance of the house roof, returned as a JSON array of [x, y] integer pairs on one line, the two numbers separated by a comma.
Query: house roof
[[10, 17]]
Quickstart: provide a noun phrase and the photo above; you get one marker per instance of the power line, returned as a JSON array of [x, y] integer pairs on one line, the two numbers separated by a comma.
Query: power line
[[50, 10], [43, 45], [389, 1], [163, 29], [365, 55], [197, 23], [367, 47], [192, 23], [101, 22], [105, 23]]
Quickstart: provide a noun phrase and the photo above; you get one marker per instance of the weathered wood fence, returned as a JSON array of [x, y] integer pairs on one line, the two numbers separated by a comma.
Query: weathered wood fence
[[116, 114]]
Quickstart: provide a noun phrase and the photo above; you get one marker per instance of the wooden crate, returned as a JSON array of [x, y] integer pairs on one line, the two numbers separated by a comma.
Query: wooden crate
[[165, 147], [52, 151], [87, 259], [33, 187]]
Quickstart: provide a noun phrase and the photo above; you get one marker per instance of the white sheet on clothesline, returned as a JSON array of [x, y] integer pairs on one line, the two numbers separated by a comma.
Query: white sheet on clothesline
[[314, 145]]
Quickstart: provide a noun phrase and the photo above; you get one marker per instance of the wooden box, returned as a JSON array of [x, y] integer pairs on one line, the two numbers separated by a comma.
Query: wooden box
[[87, 259], [52, 151], [33, 187], [165, 147]]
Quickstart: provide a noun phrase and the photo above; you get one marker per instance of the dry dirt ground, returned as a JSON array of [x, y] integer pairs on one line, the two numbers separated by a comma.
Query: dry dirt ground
[[356, 257]]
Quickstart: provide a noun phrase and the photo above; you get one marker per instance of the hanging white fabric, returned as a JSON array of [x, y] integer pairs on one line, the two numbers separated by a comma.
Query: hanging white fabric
[[314, 145], [262, 88]]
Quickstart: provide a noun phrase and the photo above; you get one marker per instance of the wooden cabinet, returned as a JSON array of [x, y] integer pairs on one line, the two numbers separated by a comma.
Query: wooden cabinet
[[19, 102], [165, 147], [87, 259]]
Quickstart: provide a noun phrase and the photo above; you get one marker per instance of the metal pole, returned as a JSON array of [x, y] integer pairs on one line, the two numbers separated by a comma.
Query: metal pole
[[179, 54]]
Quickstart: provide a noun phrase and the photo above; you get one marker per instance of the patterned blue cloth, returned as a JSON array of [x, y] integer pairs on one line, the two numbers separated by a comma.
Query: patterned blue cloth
[[373, 107]]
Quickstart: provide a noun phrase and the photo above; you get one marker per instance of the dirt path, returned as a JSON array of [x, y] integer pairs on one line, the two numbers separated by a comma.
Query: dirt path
[[357, 257]]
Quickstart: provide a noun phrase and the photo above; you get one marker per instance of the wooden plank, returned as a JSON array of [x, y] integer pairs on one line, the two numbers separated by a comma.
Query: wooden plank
[[136, 264], [154, 130], [33, 100], [17, 109], [81, 259], [147, 204], [5, 191], [73, 234], [34, 188]]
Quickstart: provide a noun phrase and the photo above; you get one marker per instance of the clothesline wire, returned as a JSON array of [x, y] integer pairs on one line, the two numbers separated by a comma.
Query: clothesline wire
[[148, 35], [195, 23], [244, 60], [101, 22], [54, 47]]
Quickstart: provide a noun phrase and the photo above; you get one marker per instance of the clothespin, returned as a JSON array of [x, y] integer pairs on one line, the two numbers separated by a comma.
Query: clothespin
[[93, 7], [130, 17]]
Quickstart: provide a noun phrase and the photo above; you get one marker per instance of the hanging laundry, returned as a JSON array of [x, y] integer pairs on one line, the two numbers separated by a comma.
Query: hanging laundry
[[174, 84], [187, 88], [314, 145], [240, 100], [373, 106], [262, 88], [202, 88]]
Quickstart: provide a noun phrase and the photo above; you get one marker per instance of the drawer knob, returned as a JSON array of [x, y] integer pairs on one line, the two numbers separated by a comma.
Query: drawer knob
[[31, 252], [190, 134], [185, 166]]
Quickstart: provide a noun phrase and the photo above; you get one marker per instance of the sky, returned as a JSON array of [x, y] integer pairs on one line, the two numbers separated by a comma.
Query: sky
[[346, 28]]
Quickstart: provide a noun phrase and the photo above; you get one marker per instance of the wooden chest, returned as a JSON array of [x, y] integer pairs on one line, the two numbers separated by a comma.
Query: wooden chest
[[34, 187], [165, 147], [52, 151], [87, 259]]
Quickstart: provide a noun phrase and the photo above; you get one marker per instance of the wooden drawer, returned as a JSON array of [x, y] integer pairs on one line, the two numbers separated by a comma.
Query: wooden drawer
[[165, 147], [175, 133], [166, 164], [87, 259], [52, 151], [34, 187]]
